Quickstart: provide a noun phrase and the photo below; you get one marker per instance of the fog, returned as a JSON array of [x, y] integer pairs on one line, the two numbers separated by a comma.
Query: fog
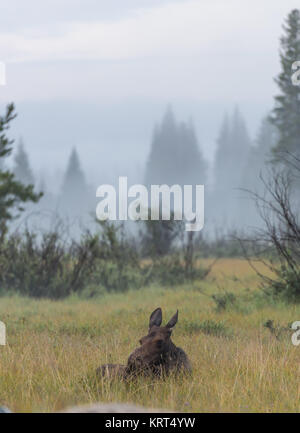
[[93, 86]]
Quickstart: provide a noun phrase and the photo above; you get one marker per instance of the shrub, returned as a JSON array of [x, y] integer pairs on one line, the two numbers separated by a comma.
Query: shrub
[[287, 286], [171, 270], [50, 267], [45, 267], [224, 300], [280, 236]]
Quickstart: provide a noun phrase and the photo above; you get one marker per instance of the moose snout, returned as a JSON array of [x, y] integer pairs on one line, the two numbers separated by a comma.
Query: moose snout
[[159, 344]]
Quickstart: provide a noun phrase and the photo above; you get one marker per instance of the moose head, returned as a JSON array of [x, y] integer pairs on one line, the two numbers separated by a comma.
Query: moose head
[[149, 357], [159, 337]]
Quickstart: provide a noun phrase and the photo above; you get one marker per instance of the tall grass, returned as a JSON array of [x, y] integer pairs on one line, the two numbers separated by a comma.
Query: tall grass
[[54, 347]]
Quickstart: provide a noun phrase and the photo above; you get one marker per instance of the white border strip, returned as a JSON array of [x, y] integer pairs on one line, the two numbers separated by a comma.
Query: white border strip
[[2, 74]]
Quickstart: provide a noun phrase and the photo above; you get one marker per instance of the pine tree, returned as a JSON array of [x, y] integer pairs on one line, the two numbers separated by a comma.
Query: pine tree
[[266, 138], [241, 146], [232, 153], [22, 168], [260, 155], [12, 192], [286, 113], [74, 189], [175, 157], [223, 162], [233, 147]]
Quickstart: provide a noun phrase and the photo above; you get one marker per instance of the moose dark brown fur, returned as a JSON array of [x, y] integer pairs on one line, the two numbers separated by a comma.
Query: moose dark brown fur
[[156, 356]]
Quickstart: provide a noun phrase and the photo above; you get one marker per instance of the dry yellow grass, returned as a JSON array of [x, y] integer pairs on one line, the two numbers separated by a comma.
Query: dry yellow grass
[[53, 349]]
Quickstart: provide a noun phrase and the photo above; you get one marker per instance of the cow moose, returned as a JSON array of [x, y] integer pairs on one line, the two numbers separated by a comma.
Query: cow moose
[[157, 355]]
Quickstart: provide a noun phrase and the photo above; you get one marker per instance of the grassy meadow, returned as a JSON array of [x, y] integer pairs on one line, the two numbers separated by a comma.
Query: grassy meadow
[[54, 347]]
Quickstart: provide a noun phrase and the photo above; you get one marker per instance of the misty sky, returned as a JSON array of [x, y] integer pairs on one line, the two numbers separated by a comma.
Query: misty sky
[[98, 74]]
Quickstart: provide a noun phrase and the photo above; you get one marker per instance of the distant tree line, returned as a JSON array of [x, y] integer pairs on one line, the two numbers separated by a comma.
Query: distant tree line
[[175, 157]]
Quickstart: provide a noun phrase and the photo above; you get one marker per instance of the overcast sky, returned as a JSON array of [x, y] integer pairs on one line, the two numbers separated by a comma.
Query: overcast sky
[[99, 73]]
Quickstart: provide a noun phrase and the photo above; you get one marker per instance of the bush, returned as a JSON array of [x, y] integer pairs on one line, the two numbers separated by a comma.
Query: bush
[[280, 236], [49, 267], [171, 270], [118, 279], [46, 267], [287, 286], [223, 301], [159, 236]]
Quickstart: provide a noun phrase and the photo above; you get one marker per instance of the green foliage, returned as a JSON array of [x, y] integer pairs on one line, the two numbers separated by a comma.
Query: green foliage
[[286, 112], [171, 270], [224, 301], [46, 267], [118, 279], [12, 192], [118, 263], [287, 284], [160, 235], [49, 267]]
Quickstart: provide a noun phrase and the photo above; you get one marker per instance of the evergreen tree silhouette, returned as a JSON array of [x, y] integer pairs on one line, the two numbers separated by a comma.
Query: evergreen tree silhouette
[[232, 154], [260, 155], [22, 169], [74, 188], [175, 157]]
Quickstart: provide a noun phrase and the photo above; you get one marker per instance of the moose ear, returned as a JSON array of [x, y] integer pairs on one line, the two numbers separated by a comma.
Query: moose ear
[[155, 318], [172, 322]]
